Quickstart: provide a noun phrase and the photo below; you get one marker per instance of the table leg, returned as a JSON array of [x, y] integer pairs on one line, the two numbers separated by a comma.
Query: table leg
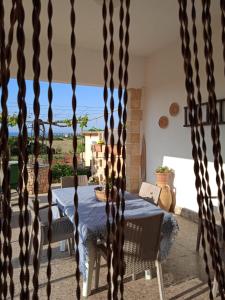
[[215, 287], [90, 262]]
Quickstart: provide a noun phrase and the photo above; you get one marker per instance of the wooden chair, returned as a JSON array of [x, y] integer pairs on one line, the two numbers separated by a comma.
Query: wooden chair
[[141, 248], [62, 229], [150, 191], [68, 181]]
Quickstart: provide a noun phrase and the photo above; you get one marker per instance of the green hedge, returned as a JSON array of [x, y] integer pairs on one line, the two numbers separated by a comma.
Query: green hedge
[[62, 170]]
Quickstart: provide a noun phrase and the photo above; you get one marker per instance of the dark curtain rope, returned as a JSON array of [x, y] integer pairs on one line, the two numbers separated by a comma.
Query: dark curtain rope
[[36, 109], [5, 226], [22, 157], [117, 167], [50, 140], [204, 161], [106, 137], [74, 121], [115, 160], [206, 213]]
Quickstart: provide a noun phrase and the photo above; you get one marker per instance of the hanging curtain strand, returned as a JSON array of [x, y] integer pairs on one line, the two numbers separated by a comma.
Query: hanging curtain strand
[[206, 213], [189, 87], [119, 147], [213, 113], [113, 275], [5, 226], [36, 109], [50, 139], [124, 135], [213, 236], [106, 137], [215, 131], [23, 156], [74, 121]]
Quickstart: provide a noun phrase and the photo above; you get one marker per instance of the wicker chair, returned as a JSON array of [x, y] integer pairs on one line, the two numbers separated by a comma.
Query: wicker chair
[[150, 191], [141, 248], [62, 229], [68, 181]]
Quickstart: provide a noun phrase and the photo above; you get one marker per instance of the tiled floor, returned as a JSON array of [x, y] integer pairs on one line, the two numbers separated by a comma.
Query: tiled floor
[[183, 272]]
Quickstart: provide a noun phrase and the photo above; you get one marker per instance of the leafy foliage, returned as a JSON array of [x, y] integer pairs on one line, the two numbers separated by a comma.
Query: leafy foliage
[[164, 169], [62, 170], [94, 129], [12, 120], [83, 121]]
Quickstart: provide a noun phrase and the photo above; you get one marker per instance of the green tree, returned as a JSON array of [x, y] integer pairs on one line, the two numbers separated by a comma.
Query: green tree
[[83, 122], [12, 120]]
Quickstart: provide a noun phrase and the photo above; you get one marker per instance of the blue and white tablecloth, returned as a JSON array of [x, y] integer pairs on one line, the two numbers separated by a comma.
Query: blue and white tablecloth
[[92, 217]]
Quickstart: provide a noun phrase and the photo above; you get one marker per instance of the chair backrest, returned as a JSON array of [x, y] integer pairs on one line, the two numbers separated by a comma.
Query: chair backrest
[[68, 181], [14, 175], [141, 244], [150, 191], [82, 180]]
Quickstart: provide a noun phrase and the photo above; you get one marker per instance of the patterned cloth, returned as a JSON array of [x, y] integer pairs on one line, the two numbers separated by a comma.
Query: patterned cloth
[[92, 217]]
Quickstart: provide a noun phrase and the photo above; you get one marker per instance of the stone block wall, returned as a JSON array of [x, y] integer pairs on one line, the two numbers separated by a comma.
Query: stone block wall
[[42, 179], [133, 145], [133, 142]]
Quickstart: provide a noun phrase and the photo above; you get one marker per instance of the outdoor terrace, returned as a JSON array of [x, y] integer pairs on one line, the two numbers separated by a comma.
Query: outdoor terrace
[[183, 272]]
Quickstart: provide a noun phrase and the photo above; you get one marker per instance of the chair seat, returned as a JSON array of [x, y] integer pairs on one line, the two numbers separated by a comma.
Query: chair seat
[[62, 229]]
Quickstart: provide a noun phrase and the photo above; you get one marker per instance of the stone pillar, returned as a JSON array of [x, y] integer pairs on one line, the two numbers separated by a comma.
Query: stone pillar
[[42, 179], [133, 147]]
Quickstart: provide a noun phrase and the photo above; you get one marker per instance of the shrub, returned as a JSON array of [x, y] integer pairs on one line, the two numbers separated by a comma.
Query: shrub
[[61, 170], [84, 171]]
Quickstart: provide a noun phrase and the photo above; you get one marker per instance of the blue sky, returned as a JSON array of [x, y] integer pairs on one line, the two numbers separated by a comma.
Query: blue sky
[[89, 101]]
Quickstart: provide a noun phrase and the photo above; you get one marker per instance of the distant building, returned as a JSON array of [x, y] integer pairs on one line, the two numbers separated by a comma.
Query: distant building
[[91, 138]]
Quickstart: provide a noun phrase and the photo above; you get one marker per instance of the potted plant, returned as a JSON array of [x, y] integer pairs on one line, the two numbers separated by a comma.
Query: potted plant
[[98, 146], [164, 179], [164, 175]]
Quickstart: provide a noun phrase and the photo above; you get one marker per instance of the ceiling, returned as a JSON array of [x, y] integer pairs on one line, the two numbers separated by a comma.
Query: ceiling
[[154, 23]]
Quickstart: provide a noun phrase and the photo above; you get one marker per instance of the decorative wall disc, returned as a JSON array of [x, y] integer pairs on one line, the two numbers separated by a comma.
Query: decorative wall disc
[[174, 109], [163, 122]]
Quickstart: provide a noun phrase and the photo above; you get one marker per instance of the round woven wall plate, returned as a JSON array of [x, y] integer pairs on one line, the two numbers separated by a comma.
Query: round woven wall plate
[[174, 109], [163, 122]]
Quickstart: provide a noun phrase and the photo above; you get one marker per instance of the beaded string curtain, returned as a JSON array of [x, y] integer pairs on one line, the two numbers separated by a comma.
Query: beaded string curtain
[[115, 168], [193, 83]]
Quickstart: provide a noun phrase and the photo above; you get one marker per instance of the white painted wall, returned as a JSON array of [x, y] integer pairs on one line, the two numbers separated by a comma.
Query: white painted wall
[[172, 146], [89, 140], [89, 69]]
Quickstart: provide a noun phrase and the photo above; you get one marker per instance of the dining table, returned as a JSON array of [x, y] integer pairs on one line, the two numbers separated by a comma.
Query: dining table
[[92, 223]]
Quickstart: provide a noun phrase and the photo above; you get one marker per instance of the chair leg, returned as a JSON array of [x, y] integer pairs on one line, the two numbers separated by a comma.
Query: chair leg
[[160, 280], [97, 270], [148, 274], [215, 288], [198, 237], [69, 246], [40, 255], [30, 244], [89, 270], [134, 277], [40, 248]]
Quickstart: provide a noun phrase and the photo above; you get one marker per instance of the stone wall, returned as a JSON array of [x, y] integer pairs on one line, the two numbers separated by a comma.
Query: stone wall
[[42, 179], [133, 160]]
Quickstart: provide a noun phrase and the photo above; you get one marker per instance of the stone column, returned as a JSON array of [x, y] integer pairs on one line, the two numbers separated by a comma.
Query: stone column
[[133, 147], [42, 179]]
